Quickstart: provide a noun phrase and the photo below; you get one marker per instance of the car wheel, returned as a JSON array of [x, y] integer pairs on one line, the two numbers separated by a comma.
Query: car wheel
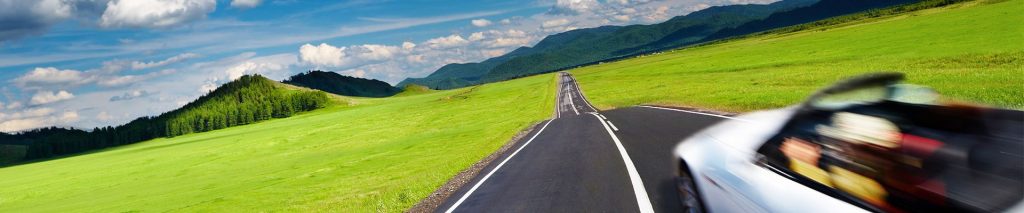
[[688, 195]]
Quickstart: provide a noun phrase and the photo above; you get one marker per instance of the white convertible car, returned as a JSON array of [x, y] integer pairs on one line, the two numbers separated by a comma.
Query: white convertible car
[[867, 144]]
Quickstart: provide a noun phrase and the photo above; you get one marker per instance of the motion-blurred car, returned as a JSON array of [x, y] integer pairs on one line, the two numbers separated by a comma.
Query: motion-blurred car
[[868, 144]]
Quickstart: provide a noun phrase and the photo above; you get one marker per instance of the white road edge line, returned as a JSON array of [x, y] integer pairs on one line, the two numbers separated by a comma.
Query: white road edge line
[[573, 104], [613, 125], [558, 96], [482, 180], [699, 113], [638, 186], [581, 93]]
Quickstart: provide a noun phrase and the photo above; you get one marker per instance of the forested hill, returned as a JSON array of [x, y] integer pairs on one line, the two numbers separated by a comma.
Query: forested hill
[[342, 85], [246, 100]]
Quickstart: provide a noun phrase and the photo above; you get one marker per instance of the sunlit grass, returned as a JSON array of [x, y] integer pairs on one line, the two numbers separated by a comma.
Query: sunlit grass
[[972, 51]]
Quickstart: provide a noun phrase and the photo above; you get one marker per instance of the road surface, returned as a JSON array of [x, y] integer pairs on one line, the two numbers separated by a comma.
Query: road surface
[[584, 160]]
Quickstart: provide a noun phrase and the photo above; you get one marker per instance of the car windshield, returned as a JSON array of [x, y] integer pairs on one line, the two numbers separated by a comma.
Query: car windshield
[[902, 157]]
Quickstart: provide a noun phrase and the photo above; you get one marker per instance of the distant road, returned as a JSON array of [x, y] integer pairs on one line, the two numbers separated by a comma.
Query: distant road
[[584, 160]]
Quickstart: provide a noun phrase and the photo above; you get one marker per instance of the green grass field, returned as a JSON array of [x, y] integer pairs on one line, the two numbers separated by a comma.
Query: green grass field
[[381, 155], [972, 51]]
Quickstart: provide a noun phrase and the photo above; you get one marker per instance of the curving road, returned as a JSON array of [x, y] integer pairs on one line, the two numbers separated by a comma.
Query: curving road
[[585, 160]]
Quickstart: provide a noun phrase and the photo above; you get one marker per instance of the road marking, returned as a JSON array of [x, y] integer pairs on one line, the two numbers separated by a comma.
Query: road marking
[[602, 117], [558, 99], [699, 113], [581, 93], [638, 186], [613, 125], [478, 183], [573, 104]]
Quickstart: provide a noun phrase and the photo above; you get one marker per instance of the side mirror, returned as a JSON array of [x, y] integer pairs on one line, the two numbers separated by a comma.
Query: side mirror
[[869, 88]]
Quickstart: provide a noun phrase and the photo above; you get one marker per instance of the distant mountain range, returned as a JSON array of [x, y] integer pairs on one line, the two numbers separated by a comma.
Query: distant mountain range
[[342, 85], [592, 45]]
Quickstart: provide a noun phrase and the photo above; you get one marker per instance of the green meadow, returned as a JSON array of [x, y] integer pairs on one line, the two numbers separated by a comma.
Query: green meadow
[[971, 51], [379, 155]]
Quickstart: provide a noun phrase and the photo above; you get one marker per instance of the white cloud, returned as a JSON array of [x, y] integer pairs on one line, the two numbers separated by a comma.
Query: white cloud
[[245, 4], [481, 22], [272, 66], [33, 118], [138, 65], [454, 40], [69, 116], [15, 125], [555, 23], [574, 6], [49, 77], [15, 105], [408, 45], [104, 116], [154, 13], [45, 97], [506, 21], [476, 36], [322, 55], [326, 55]]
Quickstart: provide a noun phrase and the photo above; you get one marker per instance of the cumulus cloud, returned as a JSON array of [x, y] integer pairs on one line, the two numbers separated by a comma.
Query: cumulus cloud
[[45, 97], [476, 36], [326, 55], [481, 22], [573, 6], [447, 42], [408, 45], [50, 77], [154, 13], [321, 55], [33, 118], [245, 4]]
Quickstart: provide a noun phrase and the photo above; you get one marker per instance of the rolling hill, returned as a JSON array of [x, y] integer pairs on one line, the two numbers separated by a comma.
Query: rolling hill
[[335, 83], [247, 100]]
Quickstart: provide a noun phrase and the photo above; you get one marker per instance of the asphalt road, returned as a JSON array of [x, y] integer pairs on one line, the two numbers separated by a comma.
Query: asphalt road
[[585, 161]]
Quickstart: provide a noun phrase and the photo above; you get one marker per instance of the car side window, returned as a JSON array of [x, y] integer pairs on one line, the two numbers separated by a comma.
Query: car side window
[[895, 158]]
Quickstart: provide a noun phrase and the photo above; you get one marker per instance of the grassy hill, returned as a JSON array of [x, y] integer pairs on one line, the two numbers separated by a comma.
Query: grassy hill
[[384, 154], [247, 100], [335, 83], [971, 51]]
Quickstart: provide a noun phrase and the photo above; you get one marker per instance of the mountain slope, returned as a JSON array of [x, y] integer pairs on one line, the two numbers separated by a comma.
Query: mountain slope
[[701, 27], [342, 85], [246, 100], [818, 11], [465, 74], [576, 47]]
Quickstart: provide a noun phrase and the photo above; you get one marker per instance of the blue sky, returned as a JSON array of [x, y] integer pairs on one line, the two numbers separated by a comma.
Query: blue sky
[[89, 63]]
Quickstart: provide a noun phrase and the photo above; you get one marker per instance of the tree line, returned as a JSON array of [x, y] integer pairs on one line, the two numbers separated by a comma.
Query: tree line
[[247, 100]]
